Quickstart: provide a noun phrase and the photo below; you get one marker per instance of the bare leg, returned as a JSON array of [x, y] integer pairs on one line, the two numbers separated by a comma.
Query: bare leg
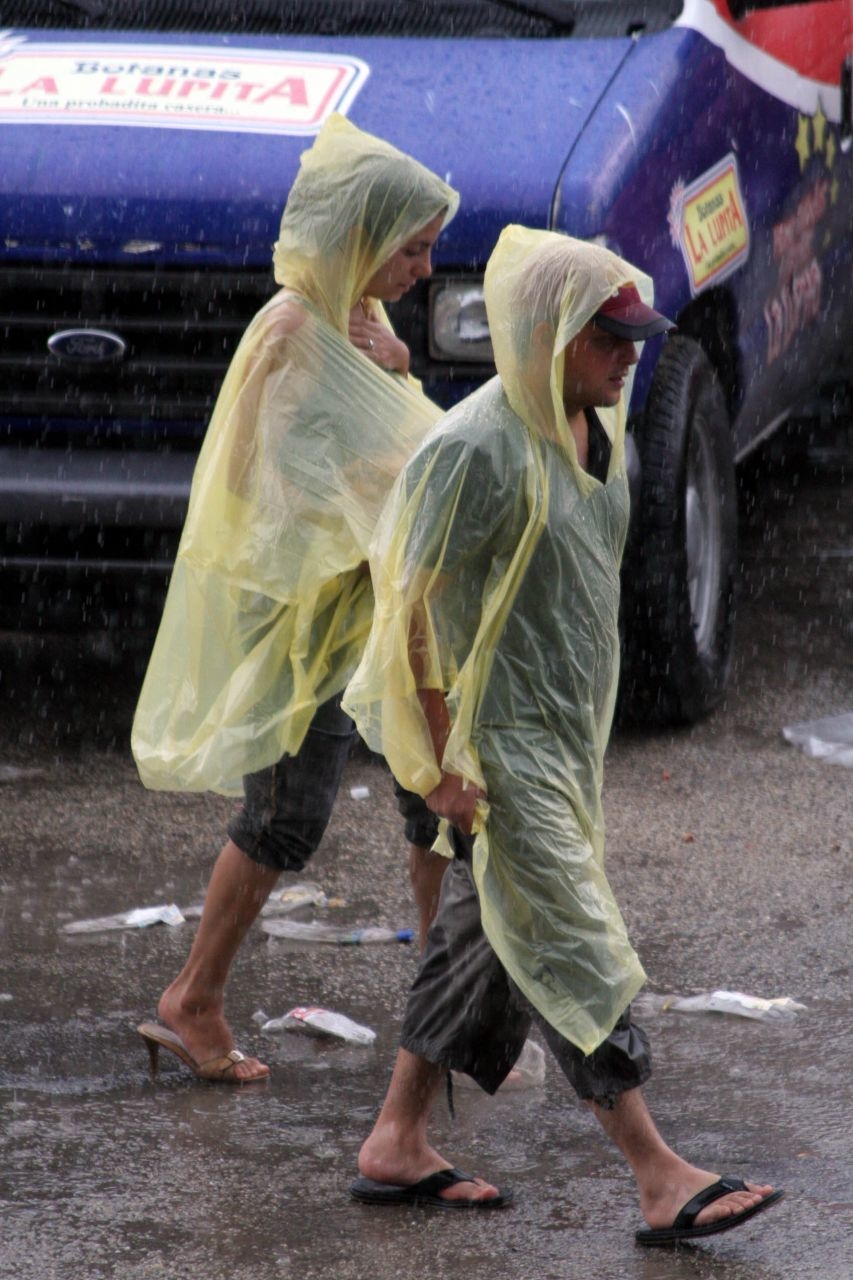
[[665, 1181], [398, 1151], [193, 1005], [426, 872]]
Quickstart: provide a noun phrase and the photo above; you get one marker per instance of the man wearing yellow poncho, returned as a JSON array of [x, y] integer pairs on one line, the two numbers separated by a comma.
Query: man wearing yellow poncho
[[488, 682], [270, 603]]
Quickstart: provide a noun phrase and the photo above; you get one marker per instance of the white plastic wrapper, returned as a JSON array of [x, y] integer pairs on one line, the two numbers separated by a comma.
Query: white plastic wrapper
[[138, 918], [777, 1008], [321, 1022], [829, 739], [306, 894]]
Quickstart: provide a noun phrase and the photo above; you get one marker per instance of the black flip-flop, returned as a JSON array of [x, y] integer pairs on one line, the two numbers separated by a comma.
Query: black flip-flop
[[684, 1229], [426, 1192]]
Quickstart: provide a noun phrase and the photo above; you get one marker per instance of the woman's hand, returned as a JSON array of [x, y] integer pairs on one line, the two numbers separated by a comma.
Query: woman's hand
[[377, 342], [455, 801]]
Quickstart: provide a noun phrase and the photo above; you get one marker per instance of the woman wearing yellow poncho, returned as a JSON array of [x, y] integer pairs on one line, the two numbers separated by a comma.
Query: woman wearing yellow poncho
[[270, 603], [488, 682]]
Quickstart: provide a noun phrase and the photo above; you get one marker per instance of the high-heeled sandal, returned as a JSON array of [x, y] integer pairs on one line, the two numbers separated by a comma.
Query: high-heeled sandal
[[219, 1069]]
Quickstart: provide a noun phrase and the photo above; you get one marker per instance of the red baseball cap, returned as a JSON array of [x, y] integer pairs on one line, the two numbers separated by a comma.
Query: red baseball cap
[[627, 316]]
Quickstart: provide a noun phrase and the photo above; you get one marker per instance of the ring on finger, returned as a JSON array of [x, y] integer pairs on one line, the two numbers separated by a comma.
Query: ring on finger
[[370, 344]]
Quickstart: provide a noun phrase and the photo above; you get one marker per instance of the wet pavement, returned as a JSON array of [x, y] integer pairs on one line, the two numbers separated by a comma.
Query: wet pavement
[[729, 850]]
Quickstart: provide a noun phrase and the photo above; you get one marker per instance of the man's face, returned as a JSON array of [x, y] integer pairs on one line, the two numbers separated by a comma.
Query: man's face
[[596, 366]]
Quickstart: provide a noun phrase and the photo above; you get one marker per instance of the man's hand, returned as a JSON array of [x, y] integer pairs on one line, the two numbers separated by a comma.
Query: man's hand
[[455, 801], [451, 799]]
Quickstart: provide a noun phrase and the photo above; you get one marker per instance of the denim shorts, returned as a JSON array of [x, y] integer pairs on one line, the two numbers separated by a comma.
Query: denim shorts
[[465, 1013], [420, 826], [287, 806]]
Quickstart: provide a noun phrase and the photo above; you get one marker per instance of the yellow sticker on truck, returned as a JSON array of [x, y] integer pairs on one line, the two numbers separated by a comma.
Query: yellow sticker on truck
[[708, 222]]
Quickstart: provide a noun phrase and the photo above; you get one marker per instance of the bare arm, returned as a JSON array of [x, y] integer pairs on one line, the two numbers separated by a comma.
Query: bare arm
[[451, 799]]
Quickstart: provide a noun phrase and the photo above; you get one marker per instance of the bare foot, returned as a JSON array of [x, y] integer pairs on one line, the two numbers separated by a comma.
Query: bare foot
[[404, 1169], [661, 1209], [205, 1033]]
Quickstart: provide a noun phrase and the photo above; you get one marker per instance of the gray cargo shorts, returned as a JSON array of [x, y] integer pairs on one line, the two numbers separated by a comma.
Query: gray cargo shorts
[[465, 1013]]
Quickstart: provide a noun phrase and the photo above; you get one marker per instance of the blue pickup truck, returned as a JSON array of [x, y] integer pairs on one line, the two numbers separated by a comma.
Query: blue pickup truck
[[146, 152]]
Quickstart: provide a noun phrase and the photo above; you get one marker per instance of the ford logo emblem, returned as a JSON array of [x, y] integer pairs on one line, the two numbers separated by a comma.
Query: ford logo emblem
[[86, 346]]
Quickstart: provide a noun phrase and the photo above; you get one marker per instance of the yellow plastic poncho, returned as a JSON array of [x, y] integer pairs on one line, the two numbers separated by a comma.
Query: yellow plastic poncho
[[496, 571], [268, 608]]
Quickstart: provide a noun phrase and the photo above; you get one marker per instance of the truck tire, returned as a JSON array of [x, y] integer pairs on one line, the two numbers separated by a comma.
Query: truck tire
[[679, 623]]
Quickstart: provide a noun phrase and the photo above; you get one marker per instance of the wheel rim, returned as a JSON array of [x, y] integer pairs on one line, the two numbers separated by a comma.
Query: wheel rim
[[703, 524]]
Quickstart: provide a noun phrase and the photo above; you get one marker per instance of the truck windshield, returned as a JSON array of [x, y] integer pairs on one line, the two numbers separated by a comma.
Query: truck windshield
[[526, 19]]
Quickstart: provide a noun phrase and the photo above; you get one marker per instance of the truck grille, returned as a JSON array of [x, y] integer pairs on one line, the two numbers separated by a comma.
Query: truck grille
[[299, 17], [180, 327]]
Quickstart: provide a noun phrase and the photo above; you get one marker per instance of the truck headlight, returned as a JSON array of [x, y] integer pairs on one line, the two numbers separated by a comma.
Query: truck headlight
[[458, 327]]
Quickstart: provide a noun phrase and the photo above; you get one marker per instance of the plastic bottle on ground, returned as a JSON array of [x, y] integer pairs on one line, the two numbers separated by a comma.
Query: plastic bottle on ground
[[319, 931]]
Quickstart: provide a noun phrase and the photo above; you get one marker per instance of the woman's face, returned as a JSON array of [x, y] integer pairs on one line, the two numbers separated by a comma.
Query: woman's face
[[410, 263]]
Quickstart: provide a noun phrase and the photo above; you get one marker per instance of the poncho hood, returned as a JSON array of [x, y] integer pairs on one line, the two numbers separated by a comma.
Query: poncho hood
[[346, 214], [543, 278]]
